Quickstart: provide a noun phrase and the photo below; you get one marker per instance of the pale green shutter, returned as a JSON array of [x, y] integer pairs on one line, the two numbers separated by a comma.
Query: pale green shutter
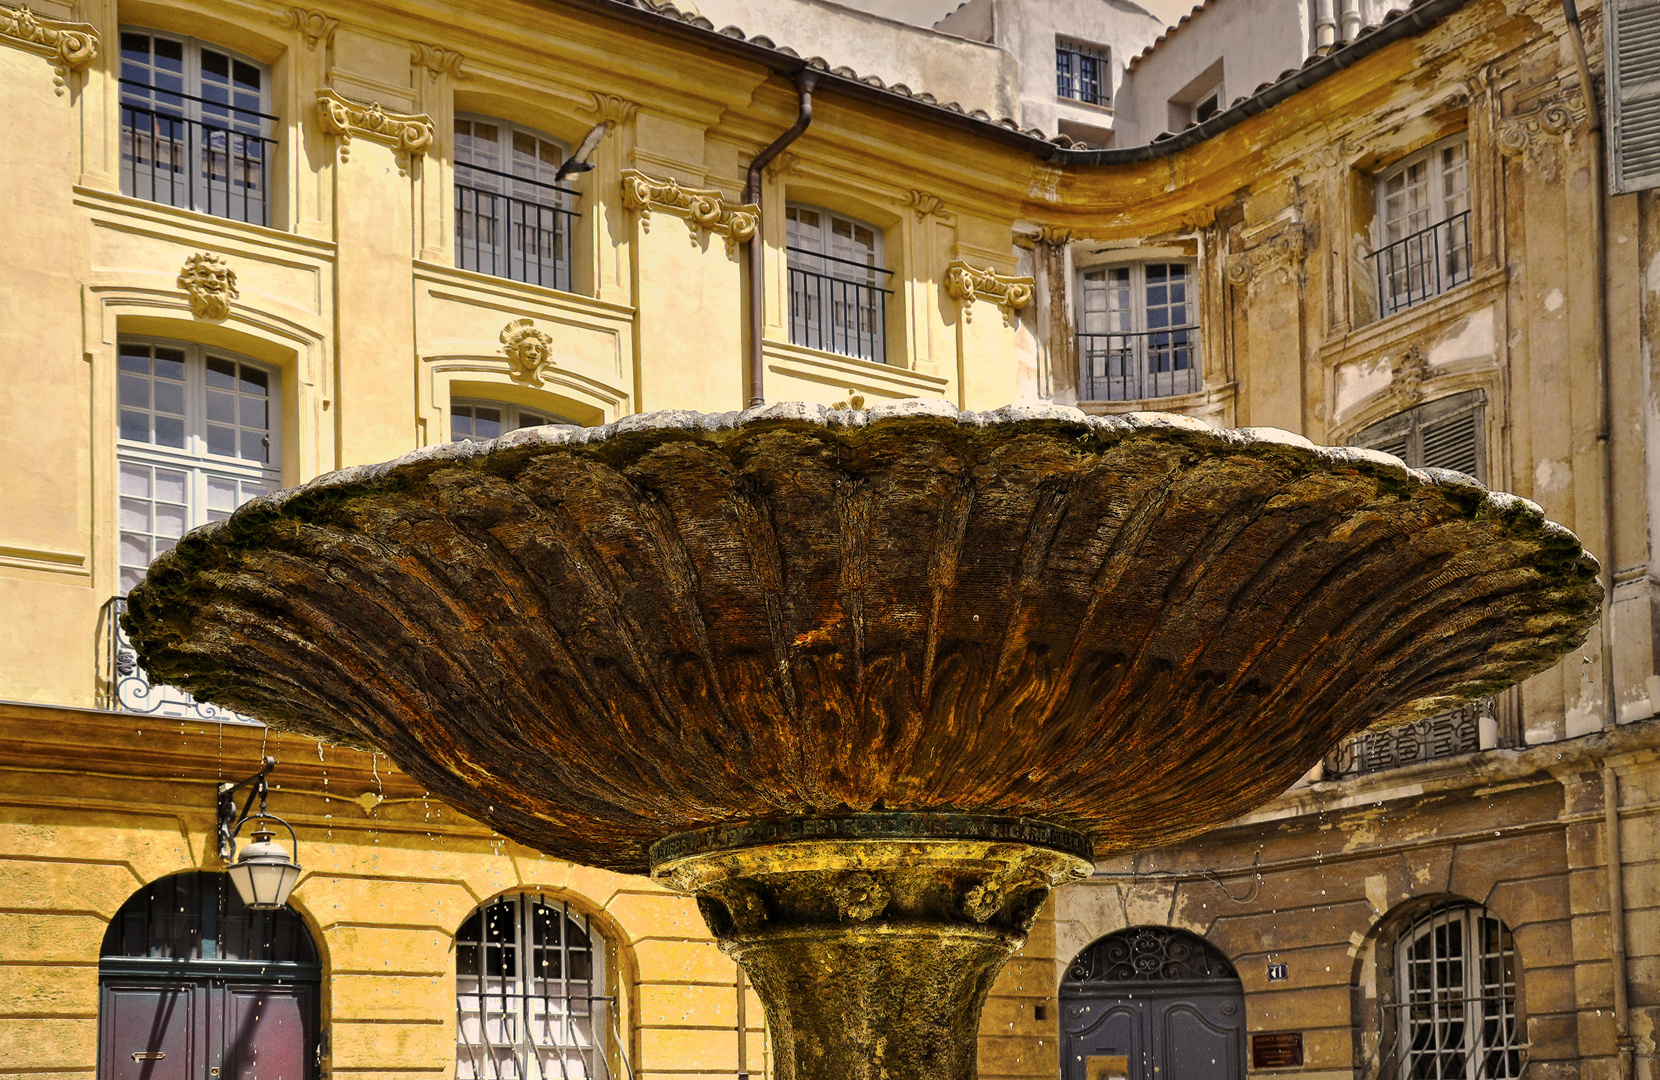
[[1633, 94]]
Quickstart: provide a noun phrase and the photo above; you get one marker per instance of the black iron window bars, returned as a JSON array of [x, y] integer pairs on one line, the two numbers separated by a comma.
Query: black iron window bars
[[196, 153], [836, 305], [1135, 365], [1080, 73], [1423, 264], [512, 227]]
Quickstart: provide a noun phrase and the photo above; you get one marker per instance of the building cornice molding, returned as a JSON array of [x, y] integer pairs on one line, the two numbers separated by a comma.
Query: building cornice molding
[[409, 134], [705, 210], [1010, 292], [70, 46]]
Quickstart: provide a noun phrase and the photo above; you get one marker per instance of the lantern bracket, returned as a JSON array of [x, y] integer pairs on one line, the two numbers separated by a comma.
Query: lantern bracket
[[231, 822]]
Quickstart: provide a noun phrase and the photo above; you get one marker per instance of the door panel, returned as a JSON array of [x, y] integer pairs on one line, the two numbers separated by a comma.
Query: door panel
[[265, 1034], [146, 1032], [1100, 1027], [1195, 1046]]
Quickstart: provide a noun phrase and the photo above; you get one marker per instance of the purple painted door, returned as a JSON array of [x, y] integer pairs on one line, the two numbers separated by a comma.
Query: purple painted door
[[208, 1028], [150, 1032], [266, 1035]]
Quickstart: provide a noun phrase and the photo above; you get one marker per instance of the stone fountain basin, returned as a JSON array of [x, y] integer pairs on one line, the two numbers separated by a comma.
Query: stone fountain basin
[[1133, 627]]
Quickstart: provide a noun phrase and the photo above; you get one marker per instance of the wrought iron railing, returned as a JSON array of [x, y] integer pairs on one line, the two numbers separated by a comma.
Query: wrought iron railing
[[840, 310], [218, 163], [523, 237], [1144, 364], [1447, 735], [123, 685], [1424, 264], [559, 1041]]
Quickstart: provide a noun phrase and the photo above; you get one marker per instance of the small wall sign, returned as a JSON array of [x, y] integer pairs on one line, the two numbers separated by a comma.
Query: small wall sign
[[1278, 972], [1276, 1049], [1107, 1067]]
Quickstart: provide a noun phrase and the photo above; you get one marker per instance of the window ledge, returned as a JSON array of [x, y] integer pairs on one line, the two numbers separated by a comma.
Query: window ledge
[[507, 288], [1455, 303], [174, 218], [842, 372], [1175, 403], [1085, 106]]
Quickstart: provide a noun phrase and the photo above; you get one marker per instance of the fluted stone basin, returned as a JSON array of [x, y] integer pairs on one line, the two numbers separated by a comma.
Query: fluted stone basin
[[867, 683]]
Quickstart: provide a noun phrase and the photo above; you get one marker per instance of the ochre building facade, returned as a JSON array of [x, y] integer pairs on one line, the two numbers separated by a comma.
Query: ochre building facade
[[250, 243]]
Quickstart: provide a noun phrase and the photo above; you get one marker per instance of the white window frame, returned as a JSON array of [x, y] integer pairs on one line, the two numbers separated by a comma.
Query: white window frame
[[823, 273], [513, 417], [498, 1035], [1422, 242], [507, 187], [193, 459], [1141, 364], [1448, 1002], [247, 146]]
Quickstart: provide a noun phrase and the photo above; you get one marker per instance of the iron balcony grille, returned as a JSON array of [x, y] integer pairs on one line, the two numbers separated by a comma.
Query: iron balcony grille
[[124, 687], [1143, 364], [1424, 264], [1447, 735], [835, 310], [513, 236], [218, 163]]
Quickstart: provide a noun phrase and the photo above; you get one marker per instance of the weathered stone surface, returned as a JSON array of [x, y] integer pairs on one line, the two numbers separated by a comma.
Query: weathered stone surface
[[1135, 627]]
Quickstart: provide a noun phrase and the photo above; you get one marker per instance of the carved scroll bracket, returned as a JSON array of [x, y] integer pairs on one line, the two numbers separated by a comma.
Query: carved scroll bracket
[[1279, 253], [926, 205], [611, 108], [1009, 292], [409, 134], [210, 283], [314, 26], [437, 60], [70, 46], [705, 210]]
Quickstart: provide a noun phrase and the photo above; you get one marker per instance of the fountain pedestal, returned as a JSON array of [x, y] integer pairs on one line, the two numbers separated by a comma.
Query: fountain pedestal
[[872, 948]]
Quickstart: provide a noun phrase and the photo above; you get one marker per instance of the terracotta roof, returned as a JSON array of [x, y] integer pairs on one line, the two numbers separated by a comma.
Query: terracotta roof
[[1056, 149]]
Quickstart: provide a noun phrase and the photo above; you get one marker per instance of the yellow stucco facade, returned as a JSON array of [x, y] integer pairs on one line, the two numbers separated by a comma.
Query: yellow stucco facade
[[349, 293]]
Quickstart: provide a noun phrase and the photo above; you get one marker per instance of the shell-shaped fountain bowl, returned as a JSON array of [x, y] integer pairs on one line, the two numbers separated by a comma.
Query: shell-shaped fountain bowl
[[1135, 627]]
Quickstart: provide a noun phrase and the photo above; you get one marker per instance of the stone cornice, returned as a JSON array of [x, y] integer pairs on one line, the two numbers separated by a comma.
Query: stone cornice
[[705, 210], [1010, 292], [69, 46], [410, 134]]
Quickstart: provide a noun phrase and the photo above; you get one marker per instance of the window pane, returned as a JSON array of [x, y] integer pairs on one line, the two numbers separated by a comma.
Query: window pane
[[135, 426], [221, 440], [170, 364], [253, 446], [221, 406], [170, 431], [221, 373], [169, 397]]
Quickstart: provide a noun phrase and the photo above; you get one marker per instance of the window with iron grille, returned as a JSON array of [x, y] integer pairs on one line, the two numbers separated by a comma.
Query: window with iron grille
[[1452, 1014], [481, 420], [838, 298], [532, 998], [512, 219], [196, 127], [1422, 227], [1138, 331], [1081, 71]]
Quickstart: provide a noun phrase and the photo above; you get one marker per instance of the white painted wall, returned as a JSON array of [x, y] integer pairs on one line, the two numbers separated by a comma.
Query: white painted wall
[[1027, 31], [1256, 40], [974, 74]]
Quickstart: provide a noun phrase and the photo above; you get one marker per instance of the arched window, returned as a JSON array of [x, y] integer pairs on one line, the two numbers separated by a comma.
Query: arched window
[[195, 984], [196, 126], [1138, 331], [1152, 1003], [1452, 1013], [532, 993], [512, 219], [838, 286], [479, 420]]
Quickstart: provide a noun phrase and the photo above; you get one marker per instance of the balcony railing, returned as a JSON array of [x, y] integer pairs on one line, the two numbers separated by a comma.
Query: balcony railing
[[1447, 735], [124, 687], [836, 312], [510, 236], [220, 165], [1425, 264], [1139, 365]]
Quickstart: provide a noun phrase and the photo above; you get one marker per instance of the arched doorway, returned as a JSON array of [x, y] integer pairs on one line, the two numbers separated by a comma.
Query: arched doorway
[[1152, 1003], [195, 986]]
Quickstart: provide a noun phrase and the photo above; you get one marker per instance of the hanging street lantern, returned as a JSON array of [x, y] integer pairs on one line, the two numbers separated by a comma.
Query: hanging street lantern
[[263, 872]]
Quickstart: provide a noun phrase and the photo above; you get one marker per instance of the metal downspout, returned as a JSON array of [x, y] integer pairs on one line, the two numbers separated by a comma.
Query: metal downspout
[[1623, 1044], [1605, 404], [805, 82]]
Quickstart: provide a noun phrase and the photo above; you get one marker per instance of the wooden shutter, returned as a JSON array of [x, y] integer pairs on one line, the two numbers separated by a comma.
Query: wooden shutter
[[1448, 433], [1633, 52]]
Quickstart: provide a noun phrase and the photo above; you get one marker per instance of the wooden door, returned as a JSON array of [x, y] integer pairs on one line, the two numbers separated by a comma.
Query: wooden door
[[207, 1028]]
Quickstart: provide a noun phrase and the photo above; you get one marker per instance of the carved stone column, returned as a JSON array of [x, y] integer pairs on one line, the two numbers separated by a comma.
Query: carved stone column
[[873, 940]]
